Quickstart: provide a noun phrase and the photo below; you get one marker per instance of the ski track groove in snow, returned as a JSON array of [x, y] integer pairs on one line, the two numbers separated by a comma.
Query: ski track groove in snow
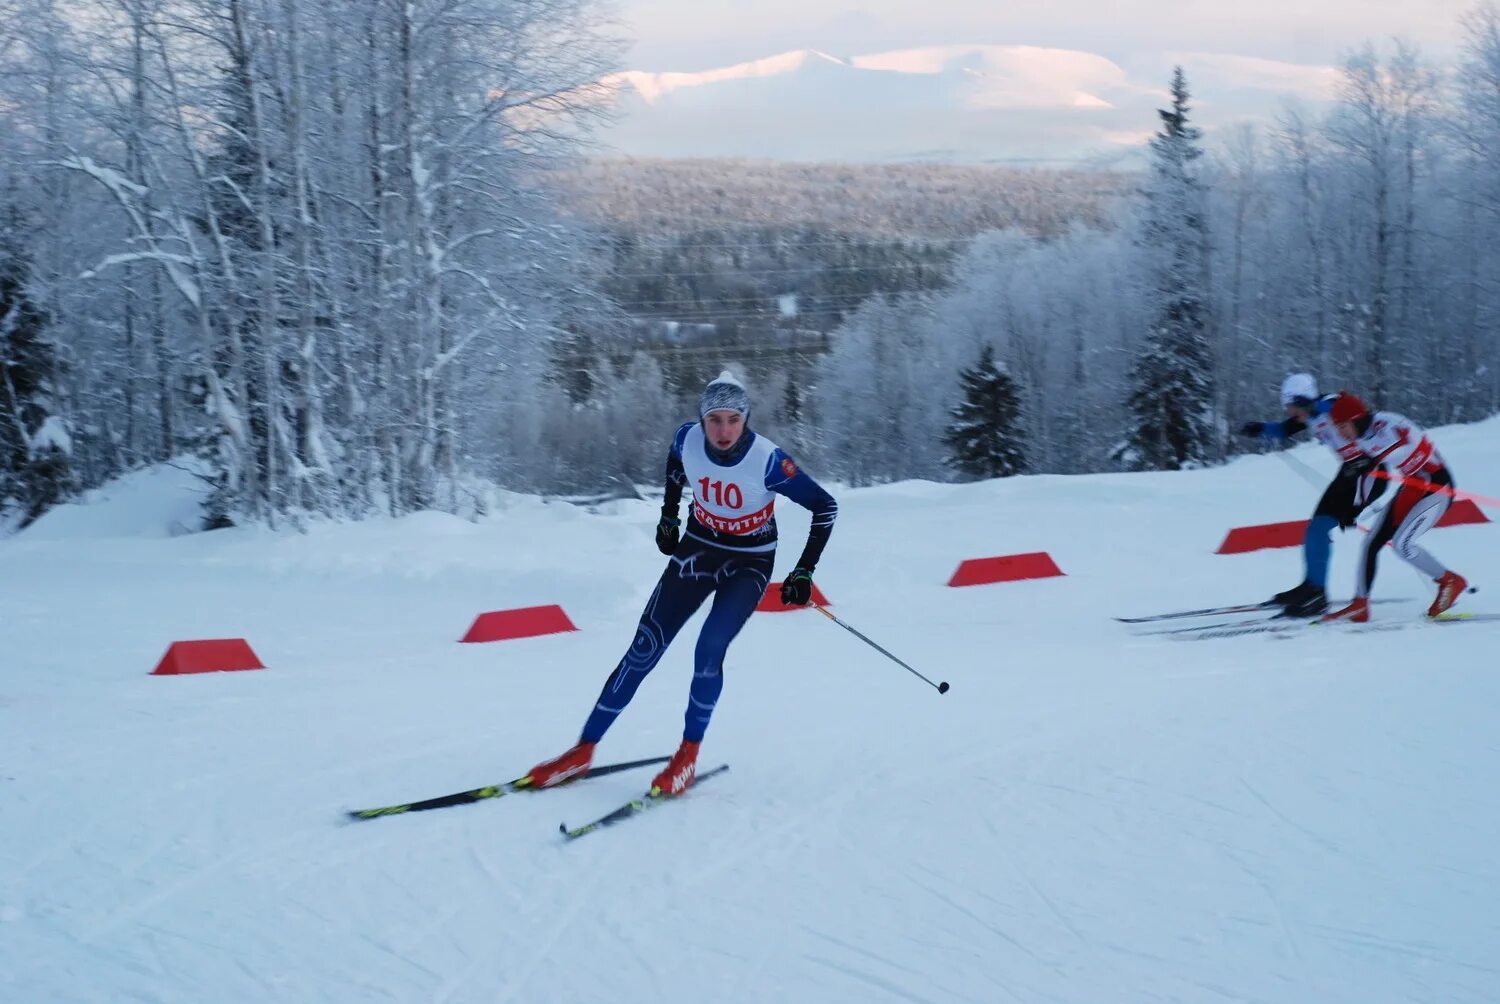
[[1322, 842], [874, 982], [1283, 925]]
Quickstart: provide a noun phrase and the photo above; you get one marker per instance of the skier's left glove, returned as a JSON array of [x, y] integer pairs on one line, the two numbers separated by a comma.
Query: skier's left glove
[[796, 591], [668, 534], [1253, 429], [1347, 509]]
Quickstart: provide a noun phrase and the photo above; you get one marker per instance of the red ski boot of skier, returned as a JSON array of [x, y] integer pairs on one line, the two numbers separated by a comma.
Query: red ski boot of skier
[[1450, 588], [1357, 612], [678, 775], [559, 770]]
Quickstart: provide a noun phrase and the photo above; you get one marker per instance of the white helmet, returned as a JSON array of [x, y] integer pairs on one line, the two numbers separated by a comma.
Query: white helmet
[[1298, 385]]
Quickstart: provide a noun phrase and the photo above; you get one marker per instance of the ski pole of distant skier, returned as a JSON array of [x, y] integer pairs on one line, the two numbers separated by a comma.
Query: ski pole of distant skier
[[1453, 493], [1313, 478], [1309, 475], [942, 688]]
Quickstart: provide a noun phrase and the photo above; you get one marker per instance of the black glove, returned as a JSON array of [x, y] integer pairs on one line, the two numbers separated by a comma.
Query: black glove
[[1350, 474], [668, 536], [1347, 508], [1253, 429], [796, 591]]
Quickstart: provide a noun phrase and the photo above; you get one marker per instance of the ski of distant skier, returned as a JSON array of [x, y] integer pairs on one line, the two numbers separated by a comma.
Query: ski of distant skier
[[493, 791], [1274, 620], [1242, 608], [634, 807], [1284, 625]]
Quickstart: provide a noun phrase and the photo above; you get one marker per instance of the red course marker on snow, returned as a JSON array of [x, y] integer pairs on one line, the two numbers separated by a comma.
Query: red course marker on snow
[[1265, 536], [527, 622], [1463, 511], [771, 602], [1006, 568], [221, 655]]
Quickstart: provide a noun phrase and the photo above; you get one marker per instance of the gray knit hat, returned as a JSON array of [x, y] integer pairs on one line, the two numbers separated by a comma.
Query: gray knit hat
[[725, 394]]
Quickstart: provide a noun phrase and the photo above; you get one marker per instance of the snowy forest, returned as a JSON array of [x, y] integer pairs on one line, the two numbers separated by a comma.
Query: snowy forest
[[302, 241], [929, 201], [341, 254]]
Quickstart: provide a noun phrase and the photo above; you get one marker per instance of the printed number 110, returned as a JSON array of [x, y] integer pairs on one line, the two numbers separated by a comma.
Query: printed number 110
[[722, 494]]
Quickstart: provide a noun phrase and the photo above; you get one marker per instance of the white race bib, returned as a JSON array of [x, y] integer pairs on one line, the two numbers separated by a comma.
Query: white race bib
[[1328, 434], [729, 499]]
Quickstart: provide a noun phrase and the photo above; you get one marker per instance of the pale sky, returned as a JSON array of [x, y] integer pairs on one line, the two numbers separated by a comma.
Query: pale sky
[[695, 35]]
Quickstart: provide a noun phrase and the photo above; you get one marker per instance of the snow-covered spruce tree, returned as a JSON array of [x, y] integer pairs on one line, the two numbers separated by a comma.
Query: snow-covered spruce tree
[[35, 446], [1172, 381], [984, 438]]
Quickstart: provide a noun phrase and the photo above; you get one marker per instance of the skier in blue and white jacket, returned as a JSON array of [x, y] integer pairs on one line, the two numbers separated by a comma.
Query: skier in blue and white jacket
[[1352, 490], [727, 550]]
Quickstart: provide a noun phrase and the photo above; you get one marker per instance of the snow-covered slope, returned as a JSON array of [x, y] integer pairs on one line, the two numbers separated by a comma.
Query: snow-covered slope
[[1087, 816], [959, 102]]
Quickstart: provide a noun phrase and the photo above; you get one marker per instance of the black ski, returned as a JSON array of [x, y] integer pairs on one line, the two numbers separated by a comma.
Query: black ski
[[1244, 608], [1232, 629], [1288, 625], [634, 807], [494, 791], [1273, 620]]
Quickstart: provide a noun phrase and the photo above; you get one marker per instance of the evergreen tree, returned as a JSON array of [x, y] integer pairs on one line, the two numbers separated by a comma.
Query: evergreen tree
[[35, 446], [985, 436], [1172, 380]]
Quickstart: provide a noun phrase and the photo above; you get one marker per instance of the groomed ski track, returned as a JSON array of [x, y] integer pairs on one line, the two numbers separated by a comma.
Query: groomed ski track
[[1088, 816]]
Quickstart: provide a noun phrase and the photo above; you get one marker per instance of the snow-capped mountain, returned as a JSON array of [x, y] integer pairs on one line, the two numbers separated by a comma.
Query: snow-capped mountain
[[963, 103]]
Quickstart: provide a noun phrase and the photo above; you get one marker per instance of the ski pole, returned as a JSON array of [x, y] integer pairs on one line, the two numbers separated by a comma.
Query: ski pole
[[1313, 478], [942, 688], [1454, 493], [1309, 475]]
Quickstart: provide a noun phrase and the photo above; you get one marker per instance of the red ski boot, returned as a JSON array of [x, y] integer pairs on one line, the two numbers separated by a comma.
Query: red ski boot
[[678, 775], [559, 770], [1450, 587], [1357, 612]]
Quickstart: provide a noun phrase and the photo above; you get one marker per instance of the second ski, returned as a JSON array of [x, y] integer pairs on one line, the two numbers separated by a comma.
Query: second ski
[[634, 807]]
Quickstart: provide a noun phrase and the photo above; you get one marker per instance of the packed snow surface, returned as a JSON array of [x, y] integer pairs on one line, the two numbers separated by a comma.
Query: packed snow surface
[[1087, 816]]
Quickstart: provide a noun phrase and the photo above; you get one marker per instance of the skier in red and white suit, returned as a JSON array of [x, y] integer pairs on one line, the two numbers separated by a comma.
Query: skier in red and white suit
[[1408, 456]]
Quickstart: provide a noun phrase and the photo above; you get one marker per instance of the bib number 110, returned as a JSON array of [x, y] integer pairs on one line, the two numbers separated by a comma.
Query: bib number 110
[[722, 495]]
